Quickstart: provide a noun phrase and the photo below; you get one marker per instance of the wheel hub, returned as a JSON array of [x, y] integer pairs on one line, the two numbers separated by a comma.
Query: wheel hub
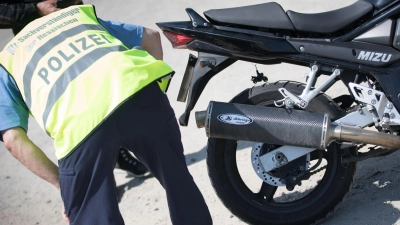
[[278, 176]]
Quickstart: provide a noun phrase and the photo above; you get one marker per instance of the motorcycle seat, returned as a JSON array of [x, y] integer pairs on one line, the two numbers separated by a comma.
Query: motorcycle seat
[[331, 21], [266, 15], [271, 15]]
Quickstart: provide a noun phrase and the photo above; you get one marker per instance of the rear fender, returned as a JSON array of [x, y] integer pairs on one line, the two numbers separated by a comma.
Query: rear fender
[[197, 77]]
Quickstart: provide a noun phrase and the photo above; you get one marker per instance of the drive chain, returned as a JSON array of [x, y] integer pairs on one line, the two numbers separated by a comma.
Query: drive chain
[[317, 170]]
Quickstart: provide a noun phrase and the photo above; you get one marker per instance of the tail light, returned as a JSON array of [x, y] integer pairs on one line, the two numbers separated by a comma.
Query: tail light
[[177, 40]]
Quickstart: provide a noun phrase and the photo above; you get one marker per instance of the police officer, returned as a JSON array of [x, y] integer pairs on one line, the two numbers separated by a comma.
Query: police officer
[[16, 14], [93, 94]]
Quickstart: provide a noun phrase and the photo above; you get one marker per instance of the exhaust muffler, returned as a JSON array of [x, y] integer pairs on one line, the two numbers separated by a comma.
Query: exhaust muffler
[[283, 127]]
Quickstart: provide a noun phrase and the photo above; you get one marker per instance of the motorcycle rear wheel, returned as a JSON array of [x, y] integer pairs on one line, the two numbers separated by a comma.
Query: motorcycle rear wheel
[[263, 205]]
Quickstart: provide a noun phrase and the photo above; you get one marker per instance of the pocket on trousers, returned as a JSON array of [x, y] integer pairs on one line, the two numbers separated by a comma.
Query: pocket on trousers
[[67, 183], [67, 172]]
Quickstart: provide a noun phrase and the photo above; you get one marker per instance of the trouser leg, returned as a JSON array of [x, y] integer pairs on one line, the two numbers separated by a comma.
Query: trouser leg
[[149, 128], [87, 180]]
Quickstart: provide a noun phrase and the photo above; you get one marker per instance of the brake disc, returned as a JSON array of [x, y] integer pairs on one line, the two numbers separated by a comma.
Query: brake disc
[[273, 177]]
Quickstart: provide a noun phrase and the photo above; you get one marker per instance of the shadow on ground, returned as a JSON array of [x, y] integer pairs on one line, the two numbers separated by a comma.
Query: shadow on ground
[[202, 153], [134, 182]]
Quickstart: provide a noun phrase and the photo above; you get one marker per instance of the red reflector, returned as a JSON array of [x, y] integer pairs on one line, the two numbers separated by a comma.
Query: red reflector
[[177, 40]]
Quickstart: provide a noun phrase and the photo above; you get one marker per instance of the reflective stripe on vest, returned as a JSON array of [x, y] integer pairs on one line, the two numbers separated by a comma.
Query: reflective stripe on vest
[[73, 74]]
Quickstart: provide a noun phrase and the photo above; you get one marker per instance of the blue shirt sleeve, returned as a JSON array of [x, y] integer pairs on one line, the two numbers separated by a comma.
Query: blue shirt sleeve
[[129, 34], [13, 110]]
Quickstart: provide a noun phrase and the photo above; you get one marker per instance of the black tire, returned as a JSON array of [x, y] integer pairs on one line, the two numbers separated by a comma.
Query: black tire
[[262, 207]]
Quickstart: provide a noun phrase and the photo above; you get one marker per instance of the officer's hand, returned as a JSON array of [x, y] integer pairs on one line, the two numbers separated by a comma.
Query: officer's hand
[[46, 7], [64, 214]]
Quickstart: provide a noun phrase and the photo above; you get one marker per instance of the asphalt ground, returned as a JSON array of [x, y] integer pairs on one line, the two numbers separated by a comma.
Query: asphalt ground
[[26, 199]]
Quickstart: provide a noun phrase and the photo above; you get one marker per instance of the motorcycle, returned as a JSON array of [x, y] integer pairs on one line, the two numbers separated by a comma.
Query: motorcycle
[[296, 129]]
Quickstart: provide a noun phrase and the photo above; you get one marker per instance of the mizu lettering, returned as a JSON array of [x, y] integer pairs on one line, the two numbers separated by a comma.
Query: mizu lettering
[[56, 62], [374, 56]]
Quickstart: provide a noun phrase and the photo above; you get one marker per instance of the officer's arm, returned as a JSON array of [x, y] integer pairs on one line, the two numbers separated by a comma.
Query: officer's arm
[[45, 7], [134, 35], [17, 14], [151, 42], [25, 151]]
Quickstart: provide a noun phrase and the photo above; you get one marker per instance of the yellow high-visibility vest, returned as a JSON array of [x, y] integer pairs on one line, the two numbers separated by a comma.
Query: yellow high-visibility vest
[[72, 73]]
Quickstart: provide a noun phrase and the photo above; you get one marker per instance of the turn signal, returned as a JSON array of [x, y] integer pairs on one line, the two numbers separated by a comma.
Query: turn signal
[[178, 41]]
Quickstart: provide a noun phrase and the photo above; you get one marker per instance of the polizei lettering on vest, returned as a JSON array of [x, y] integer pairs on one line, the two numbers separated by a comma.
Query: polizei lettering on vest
[[80, 46], [374, 56]]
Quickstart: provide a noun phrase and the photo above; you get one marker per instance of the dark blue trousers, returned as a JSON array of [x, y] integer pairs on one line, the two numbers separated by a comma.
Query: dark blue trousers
[[146, 125]]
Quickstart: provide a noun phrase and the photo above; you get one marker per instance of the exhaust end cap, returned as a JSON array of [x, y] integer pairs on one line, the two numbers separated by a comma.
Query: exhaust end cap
[[200, 118]]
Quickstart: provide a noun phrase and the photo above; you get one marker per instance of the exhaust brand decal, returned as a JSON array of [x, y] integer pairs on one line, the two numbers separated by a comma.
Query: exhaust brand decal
[[374, 56], [235, 119]]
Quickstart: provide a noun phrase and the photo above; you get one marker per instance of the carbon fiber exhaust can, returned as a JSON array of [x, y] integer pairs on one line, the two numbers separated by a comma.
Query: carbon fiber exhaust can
[[265, 124], [283, 127]]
